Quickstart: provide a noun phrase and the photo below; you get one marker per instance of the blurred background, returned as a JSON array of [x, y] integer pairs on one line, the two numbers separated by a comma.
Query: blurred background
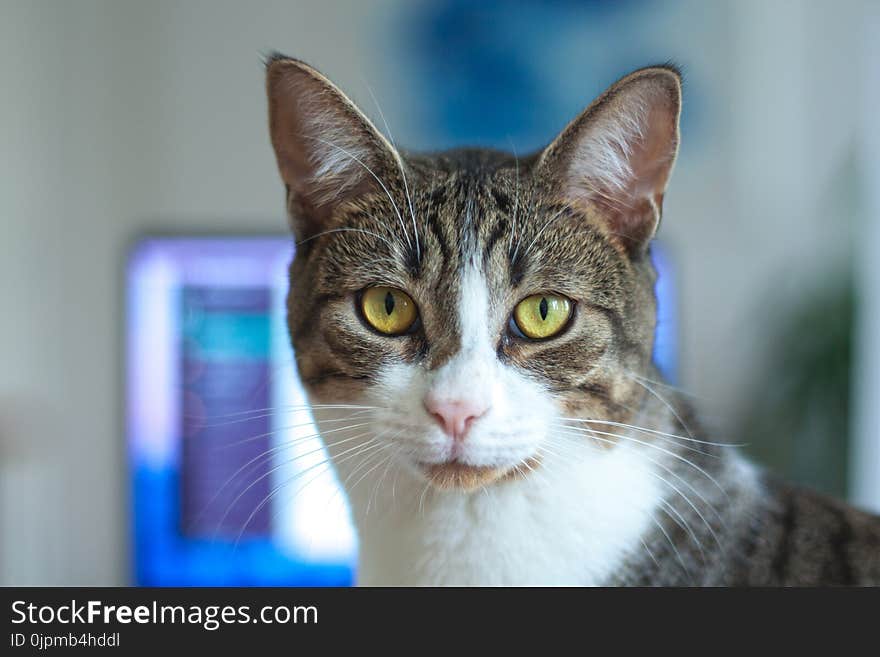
[[134, 157]]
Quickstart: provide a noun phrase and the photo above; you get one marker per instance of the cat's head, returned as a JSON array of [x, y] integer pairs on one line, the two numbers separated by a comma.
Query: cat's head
[[469, 302]]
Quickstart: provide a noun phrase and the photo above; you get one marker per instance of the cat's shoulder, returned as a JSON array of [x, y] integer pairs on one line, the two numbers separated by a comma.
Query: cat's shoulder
[[814, 539]]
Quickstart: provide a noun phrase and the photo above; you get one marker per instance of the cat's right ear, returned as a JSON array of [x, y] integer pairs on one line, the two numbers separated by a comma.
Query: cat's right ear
[[328, 151]]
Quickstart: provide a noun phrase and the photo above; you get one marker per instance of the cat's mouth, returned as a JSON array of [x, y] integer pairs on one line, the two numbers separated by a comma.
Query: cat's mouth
[[457, 475]]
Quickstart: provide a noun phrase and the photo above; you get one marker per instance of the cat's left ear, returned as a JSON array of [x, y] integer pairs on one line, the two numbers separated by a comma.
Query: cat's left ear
[[617, 156]]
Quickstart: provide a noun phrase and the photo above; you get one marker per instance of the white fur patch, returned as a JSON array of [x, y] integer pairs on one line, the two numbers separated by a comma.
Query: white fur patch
[[569, 523]]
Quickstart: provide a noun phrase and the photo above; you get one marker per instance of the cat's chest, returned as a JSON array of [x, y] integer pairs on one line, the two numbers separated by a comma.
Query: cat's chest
[[570, 533], [481, 556]]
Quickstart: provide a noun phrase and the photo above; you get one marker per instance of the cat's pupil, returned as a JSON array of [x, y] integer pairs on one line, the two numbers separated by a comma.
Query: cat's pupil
[[543, 308], [389, 303]]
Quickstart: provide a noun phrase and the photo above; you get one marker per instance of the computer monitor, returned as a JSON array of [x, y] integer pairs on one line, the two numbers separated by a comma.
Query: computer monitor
[[230, 483]]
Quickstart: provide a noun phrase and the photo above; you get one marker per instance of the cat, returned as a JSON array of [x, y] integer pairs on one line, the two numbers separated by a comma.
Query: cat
[[474, 332]]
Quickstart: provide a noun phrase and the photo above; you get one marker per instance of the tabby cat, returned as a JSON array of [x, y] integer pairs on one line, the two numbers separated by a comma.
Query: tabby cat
[[474, 331]]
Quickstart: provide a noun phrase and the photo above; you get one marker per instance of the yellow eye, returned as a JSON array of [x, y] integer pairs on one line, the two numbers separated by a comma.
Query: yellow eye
[[542, 315], [388, 310]]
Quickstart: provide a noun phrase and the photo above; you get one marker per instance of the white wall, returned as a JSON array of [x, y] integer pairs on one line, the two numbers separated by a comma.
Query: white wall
[[865, 456], [119, 118], [761, 215]]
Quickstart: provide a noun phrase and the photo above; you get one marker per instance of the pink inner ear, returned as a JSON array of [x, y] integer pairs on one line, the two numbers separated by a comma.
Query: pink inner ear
[[621, 152], [635, 209], [654, 154]]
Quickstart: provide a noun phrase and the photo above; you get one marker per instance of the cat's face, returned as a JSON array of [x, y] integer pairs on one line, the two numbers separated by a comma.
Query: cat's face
[[470, 303]]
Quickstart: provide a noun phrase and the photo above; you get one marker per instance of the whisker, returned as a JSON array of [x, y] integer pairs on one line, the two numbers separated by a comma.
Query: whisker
[[362, 464], [536, 471], [336, 489], [668, 509], [694, 506], [275, 490], [652, 446], [664, 384], [265, 415], [682, 495], [651, 431], [288, 428], [285, 464], [650, 554], [368, 448], [272, 451], [279, 409], [390, 461], [424, 492], [673, 546], [681, 522], [572, 443], [665, 403], [372, 469], [247, 416], [686, 483], [617, 435]]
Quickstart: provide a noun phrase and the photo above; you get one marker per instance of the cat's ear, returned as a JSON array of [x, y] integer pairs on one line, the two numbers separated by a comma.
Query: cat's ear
[[617, 156], [328, 151]]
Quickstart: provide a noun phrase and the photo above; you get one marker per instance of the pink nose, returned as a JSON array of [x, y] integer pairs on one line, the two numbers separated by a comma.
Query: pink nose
[[456, 416]]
